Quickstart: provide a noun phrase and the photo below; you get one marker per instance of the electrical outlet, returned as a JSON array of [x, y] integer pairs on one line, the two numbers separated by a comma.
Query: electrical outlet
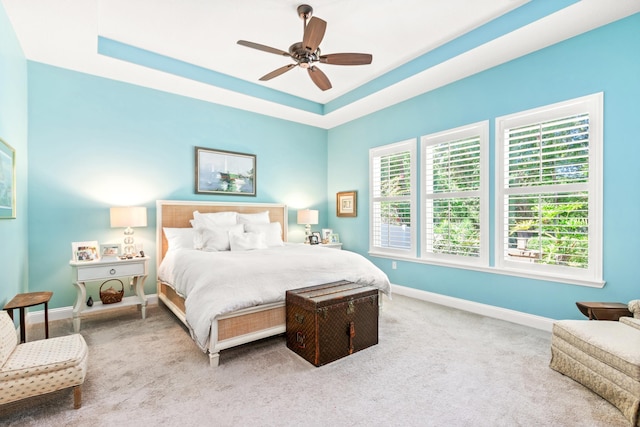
[[394, 265]]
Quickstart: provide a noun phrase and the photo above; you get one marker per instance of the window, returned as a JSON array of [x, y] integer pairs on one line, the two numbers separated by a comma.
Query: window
[[392, 171], [549, 190], [455, 193]]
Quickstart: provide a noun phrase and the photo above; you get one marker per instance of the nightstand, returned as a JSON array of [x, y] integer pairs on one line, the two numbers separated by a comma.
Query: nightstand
[[94, 271], [331, 245]]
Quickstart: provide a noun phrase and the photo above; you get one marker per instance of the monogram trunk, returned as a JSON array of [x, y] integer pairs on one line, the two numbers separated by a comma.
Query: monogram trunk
[[330, 321]]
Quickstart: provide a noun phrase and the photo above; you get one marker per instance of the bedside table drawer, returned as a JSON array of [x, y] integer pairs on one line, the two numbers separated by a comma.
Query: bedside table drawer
[[107, 271]]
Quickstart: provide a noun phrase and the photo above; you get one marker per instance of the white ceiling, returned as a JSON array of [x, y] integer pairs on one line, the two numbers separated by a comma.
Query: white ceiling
[[64, 33]]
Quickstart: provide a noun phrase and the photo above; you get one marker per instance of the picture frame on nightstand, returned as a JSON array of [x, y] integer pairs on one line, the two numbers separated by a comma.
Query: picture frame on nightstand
[[110, 250], [85, 251], [326, 232], [334, 238]]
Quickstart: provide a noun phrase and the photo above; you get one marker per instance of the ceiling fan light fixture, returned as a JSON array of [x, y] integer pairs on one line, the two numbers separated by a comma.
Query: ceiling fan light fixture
[[305, 62]]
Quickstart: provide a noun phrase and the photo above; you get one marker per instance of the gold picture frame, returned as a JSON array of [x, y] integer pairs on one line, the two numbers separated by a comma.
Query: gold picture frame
[[7, 181], [347, 204]]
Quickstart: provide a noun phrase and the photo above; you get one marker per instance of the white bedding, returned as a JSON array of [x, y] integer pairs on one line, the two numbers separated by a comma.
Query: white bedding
[[215, 283]]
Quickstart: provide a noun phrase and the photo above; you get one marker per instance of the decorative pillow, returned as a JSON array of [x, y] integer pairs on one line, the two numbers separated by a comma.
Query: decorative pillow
[[634, 307], [214, 239], [179, 238], [271, 231], [247, 241], [214, 219], [257, 218]]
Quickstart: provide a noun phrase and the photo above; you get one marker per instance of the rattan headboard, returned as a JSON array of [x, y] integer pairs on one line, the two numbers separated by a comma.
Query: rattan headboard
[[176, 214]]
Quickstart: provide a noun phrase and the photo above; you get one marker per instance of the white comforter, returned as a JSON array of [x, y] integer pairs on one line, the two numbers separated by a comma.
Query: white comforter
[[215, 283]]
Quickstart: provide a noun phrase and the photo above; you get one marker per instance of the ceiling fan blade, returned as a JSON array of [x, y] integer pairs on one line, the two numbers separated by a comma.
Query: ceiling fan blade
[[347, 58], [276, 73], [313, 33], [319, 78], [263, 48]]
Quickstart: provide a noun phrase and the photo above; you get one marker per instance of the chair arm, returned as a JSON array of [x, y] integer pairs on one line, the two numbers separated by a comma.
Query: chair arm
[[634, 307]]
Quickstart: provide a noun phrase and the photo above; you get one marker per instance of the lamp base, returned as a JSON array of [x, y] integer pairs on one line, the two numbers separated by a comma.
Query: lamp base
[[129, 248], [307, 233]]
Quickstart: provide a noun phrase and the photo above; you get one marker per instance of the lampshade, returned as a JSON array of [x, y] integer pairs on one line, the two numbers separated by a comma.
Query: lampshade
[[129, 217], [307, 216]]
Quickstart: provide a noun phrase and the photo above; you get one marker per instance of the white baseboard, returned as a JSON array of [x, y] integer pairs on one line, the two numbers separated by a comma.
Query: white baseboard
[[37, 316], [513, 316]]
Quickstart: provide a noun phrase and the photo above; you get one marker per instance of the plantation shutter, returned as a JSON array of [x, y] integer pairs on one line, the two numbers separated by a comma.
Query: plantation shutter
[[452, 197], [546, 192], [392, 169]]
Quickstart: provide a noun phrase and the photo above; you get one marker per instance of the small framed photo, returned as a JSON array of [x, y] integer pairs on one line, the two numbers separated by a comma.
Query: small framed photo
[[315, 238], [326, 232], [346, 203], [110, 250], [85, 251], [334, 238]]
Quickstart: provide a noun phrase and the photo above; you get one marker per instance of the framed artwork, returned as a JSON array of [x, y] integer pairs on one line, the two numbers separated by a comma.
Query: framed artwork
[[110, 250], [7, 181], [326, 232], [225, 172], [347, 203], [85, 251]]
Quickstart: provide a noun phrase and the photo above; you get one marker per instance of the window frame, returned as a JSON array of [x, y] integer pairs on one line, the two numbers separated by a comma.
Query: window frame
[[385, 150], [481, 130], [592, 275]]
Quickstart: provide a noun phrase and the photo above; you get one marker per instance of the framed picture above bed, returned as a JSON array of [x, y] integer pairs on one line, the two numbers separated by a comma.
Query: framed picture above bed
[[225, 172]]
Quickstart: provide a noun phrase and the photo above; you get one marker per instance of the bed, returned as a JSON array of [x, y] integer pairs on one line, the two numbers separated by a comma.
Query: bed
[[242, 313]]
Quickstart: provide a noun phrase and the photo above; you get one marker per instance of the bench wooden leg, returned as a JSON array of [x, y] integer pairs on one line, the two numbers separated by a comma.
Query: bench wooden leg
[[77, 396]]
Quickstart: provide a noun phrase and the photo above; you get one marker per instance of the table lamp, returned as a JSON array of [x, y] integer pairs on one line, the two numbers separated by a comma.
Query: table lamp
[[307, 217], [128, 217]]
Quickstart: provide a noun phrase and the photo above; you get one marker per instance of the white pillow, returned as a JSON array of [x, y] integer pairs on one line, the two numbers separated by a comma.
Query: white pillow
[[271, 231], [179, 238], [214, 239], [214, 219], [256, 218], [247, 241]]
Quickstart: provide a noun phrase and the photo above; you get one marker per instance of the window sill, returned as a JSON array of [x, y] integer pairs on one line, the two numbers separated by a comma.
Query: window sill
[[495, 270]]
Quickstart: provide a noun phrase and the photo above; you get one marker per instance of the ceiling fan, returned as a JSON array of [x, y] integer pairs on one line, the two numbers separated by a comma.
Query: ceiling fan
[[307, 52]]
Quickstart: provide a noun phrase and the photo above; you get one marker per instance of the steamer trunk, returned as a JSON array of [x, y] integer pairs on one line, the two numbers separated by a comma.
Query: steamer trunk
[[330, 321]]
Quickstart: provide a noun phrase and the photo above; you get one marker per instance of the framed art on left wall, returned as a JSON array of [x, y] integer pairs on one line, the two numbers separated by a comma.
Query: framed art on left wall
[[7, 181]]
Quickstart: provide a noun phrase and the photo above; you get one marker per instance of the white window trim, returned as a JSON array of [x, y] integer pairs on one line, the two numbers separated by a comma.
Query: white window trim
[[592, 276], [476, 129], [407, 145]]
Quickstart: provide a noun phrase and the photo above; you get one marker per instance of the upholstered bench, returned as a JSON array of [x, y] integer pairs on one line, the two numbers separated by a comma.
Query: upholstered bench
[[40, 367], [603, 356]]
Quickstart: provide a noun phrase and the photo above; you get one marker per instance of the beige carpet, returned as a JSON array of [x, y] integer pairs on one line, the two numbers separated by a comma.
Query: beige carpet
[[434, 366]]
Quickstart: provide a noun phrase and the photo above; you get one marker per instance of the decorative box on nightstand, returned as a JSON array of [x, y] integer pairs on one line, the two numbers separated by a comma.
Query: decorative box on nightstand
[[96, 271]]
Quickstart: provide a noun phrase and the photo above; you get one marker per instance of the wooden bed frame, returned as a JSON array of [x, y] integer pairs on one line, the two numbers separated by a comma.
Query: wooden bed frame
[[232, 329]]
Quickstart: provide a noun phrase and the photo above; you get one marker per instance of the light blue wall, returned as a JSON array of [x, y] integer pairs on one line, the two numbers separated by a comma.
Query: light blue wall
[[13, 130], [604, 60], [96, 143]]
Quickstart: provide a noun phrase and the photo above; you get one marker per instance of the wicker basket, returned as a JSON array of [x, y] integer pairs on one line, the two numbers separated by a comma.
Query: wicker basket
[[111, 295]]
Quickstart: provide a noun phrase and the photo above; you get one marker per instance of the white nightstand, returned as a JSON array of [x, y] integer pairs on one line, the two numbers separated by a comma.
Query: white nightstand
[[331, 245], [90, 271]]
